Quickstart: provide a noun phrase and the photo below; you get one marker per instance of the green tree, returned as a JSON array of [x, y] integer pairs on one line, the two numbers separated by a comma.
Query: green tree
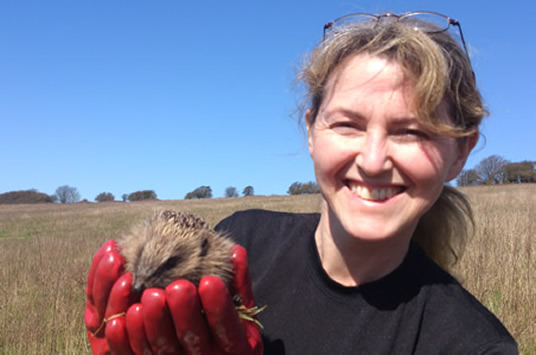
[[521, 172], [248, 191], [105, 196], [200, 192], [142, 195], [299, 188], [25, 196], [231, 192]]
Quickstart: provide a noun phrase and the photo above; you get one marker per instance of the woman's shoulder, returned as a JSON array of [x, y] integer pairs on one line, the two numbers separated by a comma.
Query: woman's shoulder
[[456, 316], [259, 222], [268, 235], [256, 214]]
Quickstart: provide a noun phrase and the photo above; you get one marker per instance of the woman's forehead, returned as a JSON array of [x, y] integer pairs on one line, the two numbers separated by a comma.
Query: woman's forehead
[[366, 75], [366, 71]]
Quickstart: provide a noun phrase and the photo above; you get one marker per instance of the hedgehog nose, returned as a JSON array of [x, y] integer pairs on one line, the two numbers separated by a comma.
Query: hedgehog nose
[[137, 288]]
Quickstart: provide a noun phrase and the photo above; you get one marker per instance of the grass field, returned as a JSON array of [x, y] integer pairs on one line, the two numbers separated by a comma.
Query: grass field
[[46, 250]]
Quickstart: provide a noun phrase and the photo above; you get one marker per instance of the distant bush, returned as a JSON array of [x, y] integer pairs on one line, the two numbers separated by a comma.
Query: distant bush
[[142, 195], [26, 196], [299, 188], [231, 192], [105, 196], [248, 191], [200, 192], [520, 172]]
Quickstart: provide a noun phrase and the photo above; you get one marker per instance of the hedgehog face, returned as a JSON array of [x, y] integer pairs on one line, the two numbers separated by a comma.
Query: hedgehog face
[[175, 245], [167, 254]]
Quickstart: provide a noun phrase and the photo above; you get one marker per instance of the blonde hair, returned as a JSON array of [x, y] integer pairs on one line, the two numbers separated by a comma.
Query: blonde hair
[[440, 72]]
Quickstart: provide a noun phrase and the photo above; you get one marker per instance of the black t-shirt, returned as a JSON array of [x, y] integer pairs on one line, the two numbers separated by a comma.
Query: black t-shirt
[[417, 308]]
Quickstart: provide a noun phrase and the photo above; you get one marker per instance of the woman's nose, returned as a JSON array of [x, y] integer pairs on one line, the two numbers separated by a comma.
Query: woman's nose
[[373, 157]]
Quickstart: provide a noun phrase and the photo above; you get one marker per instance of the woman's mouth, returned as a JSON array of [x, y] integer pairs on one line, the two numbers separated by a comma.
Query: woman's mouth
[[375, 193]]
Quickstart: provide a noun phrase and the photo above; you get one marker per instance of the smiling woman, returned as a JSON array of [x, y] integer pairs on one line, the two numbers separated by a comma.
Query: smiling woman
[[378, 167], [437, 91], [392, 113]]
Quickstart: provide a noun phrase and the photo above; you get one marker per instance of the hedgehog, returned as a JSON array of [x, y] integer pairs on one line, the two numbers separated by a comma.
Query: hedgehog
[[175, 245]]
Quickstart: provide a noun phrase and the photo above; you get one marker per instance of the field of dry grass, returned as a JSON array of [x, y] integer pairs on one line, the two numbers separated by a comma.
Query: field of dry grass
[[46, 250], [499, 265]]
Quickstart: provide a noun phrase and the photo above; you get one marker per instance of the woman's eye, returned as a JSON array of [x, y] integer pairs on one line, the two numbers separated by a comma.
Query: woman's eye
[[415, 133], [345, 127]]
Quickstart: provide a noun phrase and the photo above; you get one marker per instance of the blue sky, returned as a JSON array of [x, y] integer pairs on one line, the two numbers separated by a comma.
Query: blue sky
[[121, 96]]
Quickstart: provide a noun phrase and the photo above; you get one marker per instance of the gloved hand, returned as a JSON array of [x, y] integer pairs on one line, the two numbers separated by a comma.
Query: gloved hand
[[107, 297], [169, 320]]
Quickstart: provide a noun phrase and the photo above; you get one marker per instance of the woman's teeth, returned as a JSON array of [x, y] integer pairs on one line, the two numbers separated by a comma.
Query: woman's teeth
[[375, 194]]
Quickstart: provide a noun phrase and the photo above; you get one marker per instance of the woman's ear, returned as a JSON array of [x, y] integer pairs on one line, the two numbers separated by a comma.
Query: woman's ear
[[465, 146]]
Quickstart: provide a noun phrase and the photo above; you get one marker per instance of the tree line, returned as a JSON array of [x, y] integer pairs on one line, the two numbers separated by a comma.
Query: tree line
[[69, 194], [497, 170], [490, 171], [206, 192], [64, 194]]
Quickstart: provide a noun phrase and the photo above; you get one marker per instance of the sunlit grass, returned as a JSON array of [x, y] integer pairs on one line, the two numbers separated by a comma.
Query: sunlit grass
[[46, 250]]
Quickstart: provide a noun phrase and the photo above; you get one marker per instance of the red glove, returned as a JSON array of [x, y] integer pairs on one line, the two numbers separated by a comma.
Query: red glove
[[169, 321], [108, 297]]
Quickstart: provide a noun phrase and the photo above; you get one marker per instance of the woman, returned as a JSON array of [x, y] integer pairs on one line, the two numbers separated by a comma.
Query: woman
[[392, 113]]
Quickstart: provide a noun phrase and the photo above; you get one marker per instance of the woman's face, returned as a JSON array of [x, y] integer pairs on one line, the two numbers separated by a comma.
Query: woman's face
[[378, 169]]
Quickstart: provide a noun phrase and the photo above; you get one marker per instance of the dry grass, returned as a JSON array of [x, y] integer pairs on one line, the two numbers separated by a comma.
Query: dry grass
[[46, 250], [499, 264], [45, 253]]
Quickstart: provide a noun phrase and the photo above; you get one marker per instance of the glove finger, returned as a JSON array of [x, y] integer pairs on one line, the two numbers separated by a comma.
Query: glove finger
[[190, 325], [116, 336], [108, 271], [157, 322], [241, 281], [91, 318], [222, 318], [94, 314], [136, 333], [242, 286], [121, 296], [105, 248]]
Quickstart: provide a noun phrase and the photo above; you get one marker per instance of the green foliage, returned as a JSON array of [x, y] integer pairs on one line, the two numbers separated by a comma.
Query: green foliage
[[26, 196], [67, 194], [105, 196], [299, 188], [522, 172], [124, 197], [248, 191], [231, 192], [142, 195], [200, 192]]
